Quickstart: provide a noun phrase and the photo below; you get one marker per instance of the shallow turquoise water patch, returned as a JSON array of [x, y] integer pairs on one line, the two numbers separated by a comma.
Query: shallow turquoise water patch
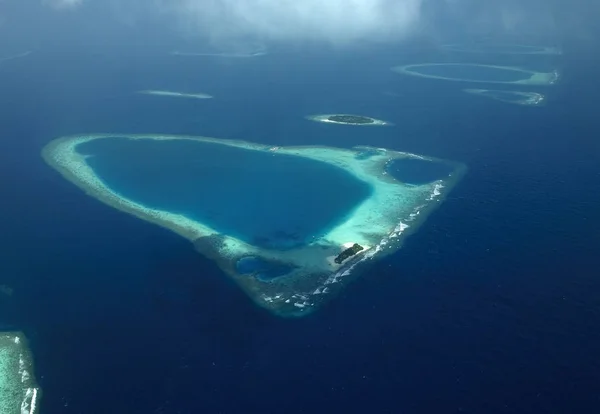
[[506, 95], [261, 268]]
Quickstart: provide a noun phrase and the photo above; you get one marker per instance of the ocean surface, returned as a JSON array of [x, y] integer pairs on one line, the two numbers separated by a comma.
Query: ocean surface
[[491, 307]]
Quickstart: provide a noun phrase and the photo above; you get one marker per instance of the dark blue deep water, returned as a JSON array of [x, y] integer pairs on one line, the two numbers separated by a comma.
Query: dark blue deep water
[[266, 199], [416, 171], [491, 307], [505, 95]]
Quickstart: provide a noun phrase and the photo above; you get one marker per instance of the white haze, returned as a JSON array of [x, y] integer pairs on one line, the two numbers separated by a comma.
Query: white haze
[[349, 21], [335, 21]]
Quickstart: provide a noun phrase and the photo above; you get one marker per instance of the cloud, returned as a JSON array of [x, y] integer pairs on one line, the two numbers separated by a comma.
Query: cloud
[[337, 21], [226, 22]]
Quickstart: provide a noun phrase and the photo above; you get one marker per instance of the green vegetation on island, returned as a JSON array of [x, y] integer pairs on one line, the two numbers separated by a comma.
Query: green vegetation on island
[[351, 251], [351, 119]]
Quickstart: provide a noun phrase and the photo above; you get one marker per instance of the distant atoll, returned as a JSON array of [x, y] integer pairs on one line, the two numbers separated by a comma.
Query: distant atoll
[[297, 280], [455, 72]]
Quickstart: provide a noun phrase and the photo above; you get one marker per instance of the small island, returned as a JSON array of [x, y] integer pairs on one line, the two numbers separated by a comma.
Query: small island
[[349, 252], [351, 119], [347, 119]]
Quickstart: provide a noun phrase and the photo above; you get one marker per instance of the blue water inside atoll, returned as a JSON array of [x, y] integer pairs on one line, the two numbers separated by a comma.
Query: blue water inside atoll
[[417, 172], [474, 72], [252, 265], [266, 199]]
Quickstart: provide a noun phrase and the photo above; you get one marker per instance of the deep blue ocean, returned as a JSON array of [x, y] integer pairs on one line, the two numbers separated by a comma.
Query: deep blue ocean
[[491, 307]]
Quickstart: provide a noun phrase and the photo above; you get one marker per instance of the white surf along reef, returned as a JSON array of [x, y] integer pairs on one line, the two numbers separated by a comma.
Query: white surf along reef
[[317, 269], [19, 393]]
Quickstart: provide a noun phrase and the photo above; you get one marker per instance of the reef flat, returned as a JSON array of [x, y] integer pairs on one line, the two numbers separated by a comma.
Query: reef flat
[[470, 72], [19, 393], [513, 97], [295, 280], [175, 94], [347, 119], [221, 54]]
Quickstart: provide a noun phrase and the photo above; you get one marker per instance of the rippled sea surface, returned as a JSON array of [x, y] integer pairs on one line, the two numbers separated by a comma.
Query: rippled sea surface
[[490, 308]]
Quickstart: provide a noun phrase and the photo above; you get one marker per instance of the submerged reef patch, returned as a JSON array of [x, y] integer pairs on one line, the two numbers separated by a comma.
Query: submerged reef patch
[[513, 97], [19, 393], [174, 94], [293, 274], [501, 48], [348, 119], [470, 72], [253, 53]]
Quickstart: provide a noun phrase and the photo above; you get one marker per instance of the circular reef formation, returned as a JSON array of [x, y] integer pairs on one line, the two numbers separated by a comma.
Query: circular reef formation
[[470, 72]]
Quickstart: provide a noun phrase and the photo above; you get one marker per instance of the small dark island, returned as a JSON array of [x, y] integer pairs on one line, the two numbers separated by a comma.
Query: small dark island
[[351, 251], [351, 119]]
